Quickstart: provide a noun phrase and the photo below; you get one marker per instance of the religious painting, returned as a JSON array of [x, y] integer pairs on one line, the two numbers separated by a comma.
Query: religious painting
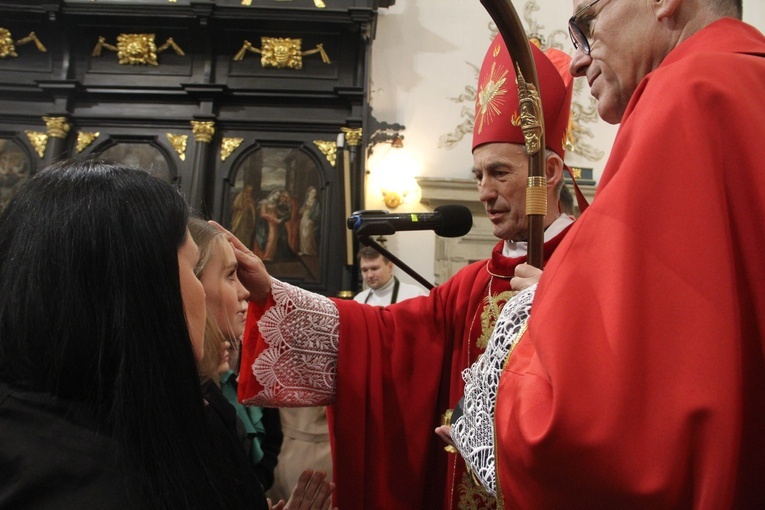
[[276, 210], [140, 155], [15, 169]]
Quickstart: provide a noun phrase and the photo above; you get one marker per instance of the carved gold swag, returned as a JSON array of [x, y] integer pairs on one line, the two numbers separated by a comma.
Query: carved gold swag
[[136, 49], [229, 145], [84, 139], [38, 140], [329, 149], [281, 52], [8, 46], [179, 144]]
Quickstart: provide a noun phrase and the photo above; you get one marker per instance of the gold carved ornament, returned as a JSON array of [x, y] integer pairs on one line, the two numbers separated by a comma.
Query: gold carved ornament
[[318, 3], [352, 136], [229, 145], [8, 47], [203, 130], [530, 122], [281, 52], [58, 127], [329, 149], [85, 139], [38, 140], [136, 49], [179, 144]]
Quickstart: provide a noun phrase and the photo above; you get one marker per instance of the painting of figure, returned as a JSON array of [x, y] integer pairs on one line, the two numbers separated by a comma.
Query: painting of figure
[[14, 170], [243, 216], [310, 223], [275, 209], [266, 227]]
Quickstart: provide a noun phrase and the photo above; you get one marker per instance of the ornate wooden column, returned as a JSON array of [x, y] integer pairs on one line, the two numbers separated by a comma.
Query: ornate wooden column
[[353, 183], [201, 188], [353, 138], [57, 131]]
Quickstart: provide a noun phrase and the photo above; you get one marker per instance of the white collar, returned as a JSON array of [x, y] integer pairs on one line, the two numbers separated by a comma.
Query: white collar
[[515, 249], [384, 289]]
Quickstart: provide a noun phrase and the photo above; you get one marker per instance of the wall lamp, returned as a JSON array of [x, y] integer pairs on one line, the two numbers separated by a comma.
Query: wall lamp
[[393, 172], [391, 168]]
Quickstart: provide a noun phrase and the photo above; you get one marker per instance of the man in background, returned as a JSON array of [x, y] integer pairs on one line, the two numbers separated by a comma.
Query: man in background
[[384, 288]]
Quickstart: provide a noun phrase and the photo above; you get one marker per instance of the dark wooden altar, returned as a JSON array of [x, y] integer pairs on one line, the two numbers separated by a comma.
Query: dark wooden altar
[[237, 102]]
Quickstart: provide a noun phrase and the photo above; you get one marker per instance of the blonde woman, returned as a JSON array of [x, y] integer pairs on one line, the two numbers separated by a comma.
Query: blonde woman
[[245, 428]]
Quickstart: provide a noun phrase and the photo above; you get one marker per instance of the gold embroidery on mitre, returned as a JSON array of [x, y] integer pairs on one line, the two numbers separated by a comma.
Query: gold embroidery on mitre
[[515, 120], [472, 496], [491, 96], [492, 306]]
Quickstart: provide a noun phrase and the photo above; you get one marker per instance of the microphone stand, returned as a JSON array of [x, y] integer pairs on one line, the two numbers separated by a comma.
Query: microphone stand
[[368, 241]]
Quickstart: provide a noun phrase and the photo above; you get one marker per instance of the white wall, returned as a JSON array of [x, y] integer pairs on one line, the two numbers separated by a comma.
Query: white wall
[[754, 13], [426, 52]]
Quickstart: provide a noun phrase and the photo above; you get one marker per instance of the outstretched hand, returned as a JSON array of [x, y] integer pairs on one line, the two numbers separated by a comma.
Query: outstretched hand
[[526, 275], [312, 492], [251, 272]]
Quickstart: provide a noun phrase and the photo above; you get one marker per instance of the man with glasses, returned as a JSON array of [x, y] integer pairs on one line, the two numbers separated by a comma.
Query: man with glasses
[[651, 393]]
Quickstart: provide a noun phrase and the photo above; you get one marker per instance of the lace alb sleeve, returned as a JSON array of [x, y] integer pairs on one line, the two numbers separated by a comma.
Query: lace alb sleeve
[[299, 366], [473, 431]]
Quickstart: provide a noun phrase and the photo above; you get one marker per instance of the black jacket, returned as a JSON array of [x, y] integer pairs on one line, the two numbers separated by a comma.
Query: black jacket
[[51, 458]]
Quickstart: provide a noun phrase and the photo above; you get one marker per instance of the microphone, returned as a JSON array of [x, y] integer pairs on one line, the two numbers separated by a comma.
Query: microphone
[[446, 220]]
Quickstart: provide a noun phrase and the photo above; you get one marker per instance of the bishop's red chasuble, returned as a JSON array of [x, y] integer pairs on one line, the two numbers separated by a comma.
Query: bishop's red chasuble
[[395, 371]]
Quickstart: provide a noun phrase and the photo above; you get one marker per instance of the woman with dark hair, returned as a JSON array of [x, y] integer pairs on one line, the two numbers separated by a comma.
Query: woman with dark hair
[[101, 326]]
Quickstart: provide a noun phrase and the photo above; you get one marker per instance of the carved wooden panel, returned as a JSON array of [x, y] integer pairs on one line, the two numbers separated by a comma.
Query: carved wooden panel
[[129, 79]]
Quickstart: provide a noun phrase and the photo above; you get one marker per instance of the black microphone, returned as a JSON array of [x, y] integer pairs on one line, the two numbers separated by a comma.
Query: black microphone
[[446, 220]]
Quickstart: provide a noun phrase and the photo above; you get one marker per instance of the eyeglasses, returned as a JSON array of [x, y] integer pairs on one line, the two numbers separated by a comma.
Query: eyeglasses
[[578, 33]]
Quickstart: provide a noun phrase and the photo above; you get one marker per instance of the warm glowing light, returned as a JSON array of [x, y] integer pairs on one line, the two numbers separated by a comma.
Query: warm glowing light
[[393, 172]]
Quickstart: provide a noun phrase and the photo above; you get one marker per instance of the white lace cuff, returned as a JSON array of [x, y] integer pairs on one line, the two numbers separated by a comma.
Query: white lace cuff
[[473, 431], [299, 366]]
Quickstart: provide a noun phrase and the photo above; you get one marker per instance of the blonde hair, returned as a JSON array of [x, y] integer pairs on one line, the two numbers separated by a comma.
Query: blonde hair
[[210, 241], [208, 365]]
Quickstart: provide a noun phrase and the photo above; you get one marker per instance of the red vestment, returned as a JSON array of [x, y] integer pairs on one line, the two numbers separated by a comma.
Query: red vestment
[[650, 391], [398, 369]]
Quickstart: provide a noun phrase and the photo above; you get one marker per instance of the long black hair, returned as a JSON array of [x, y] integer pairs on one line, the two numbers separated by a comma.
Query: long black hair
[[91, 312]]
